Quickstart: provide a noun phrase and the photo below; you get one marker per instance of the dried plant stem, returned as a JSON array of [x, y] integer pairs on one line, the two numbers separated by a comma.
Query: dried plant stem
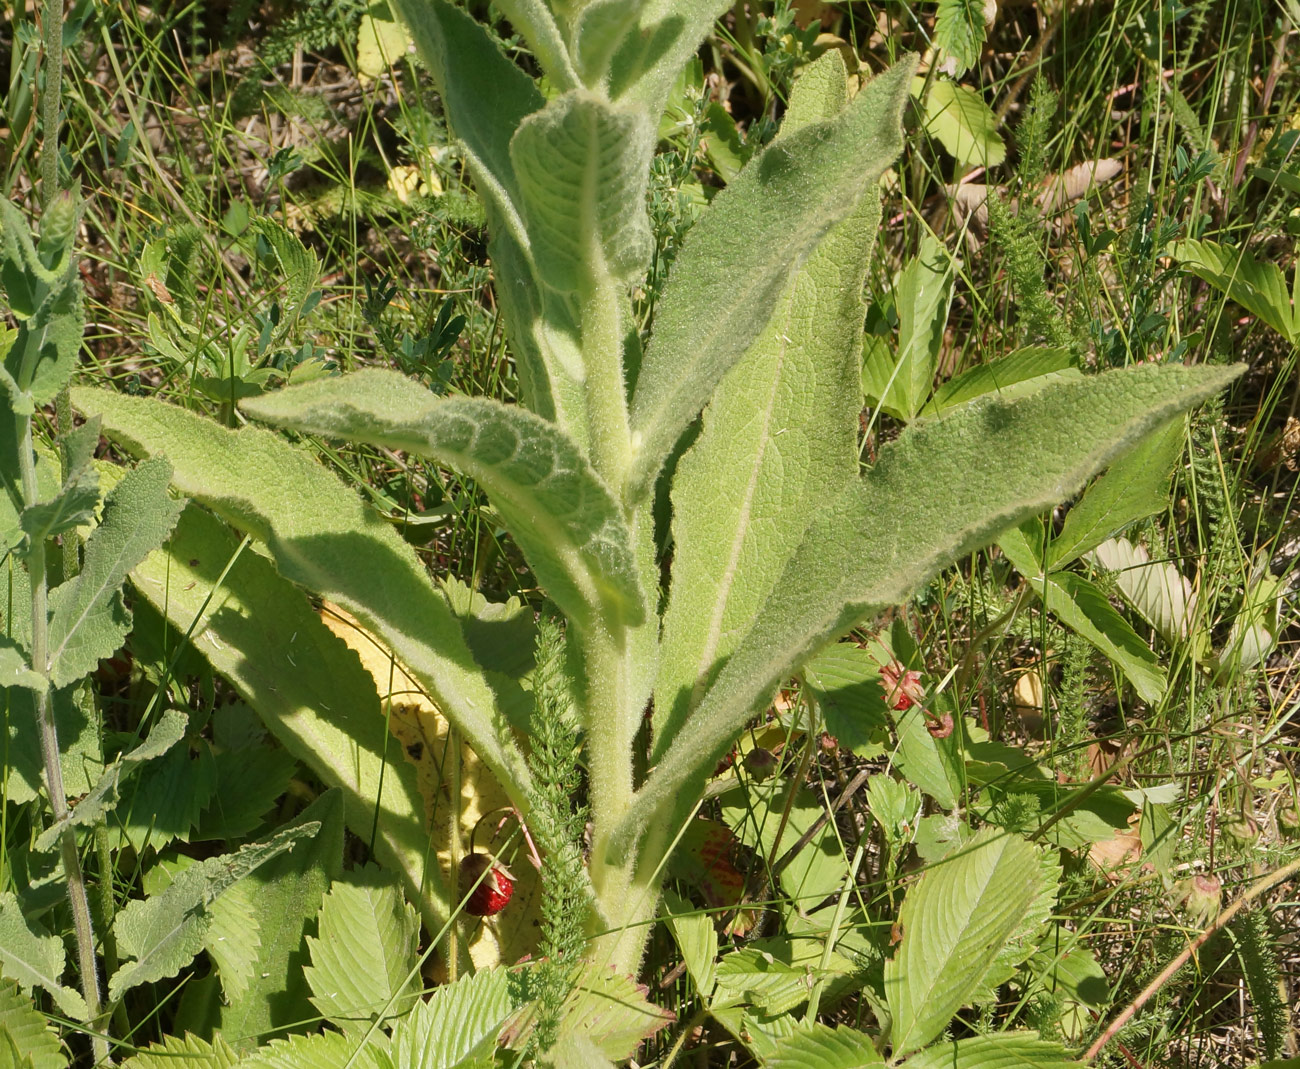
[[1258, 888]]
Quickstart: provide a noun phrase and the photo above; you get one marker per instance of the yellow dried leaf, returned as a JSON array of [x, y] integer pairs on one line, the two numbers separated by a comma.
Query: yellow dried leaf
[[421, 729]]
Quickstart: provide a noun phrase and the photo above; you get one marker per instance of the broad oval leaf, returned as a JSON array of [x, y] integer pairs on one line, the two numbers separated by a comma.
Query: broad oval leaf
[[565, 520], [363, 961], [963, 123], [581, 168], [954, 921]]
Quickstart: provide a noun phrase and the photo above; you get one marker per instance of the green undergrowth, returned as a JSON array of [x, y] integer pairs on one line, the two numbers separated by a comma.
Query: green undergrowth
[[1101, 728]]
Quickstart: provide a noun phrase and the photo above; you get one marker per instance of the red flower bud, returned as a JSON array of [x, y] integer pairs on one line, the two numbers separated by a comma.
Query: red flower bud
[[491, 894], [902, 688]]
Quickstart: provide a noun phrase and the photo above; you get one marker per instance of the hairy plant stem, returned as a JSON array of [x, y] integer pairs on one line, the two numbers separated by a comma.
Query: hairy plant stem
[[602, 352], [78, 900]]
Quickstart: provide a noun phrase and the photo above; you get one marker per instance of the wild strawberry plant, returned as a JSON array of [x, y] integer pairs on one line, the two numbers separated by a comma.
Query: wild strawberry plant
[[739, 403]]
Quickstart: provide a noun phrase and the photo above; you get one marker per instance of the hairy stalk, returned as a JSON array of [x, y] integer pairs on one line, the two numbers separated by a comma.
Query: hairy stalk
[[602, 350], [78, 900]]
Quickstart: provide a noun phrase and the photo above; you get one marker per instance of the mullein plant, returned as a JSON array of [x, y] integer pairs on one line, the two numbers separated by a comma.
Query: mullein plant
[[780, 542]]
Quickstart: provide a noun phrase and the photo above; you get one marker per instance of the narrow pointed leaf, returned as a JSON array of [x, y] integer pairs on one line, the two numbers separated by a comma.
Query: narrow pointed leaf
[[88, 620], [77, 499], [779, 438], [1135, 487], [653, 50], [737, 259], [534, 20], [1082, 607], [322, 536], [563, 517], [943, 489], [165, 734], [1014, 375]]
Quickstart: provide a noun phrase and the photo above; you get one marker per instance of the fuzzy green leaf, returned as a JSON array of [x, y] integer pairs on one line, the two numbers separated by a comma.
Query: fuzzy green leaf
[[165, 931], [189, 1052], [600, 27], [29, 1030], [165, 734], [1136, 486], [79, 745], [954, 923], [88, 619], [46, 299], [823, 1047], [310, 690], [533, 19], [563, 517], [15, 671], [362, 962], [34, 958], [458, 1024], [322, 536], [779, 438], [77, 499], [655, 49], [738, 258], [941, 490], [1257, 285], [1003, 1050], [959, 119], [581, 171]]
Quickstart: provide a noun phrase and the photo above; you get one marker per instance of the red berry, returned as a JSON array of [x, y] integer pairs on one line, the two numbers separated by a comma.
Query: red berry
[[493, 891]]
